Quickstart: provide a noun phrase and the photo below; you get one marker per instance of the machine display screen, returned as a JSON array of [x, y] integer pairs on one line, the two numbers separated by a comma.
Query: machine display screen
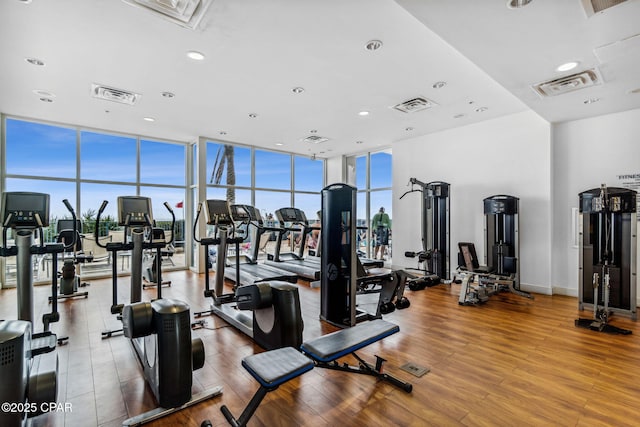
[[23, 209], [134, 210], [218, 212]]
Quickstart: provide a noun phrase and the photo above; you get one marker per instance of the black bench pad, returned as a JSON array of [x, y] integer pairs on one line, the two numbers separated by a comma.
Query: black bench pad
[[276, 367], [332, 346]]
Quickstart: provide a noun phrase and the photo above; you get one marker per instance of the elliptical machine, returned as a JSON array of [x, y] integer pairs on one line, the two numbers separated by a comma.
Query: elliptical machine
[[435, 252], [607, 257], [28, 362], [160, 331], [277, 317]]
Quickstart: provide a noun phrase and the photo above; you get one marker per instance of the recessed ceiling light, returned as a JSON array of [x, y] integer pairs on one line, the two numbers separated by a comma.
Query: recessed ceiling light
[[439, 85], [195, 55], [46, 99], [279, 144], [44, 93], [591, 100], [472, 102], [517, 4], [222, 132], [458, 116], [481, 109], [313, 131], [253, 115], [363, 113], [373, 45], [408, 129], [149, 119], [35, 61], [567, 66], [24, 1], [359, 142], [168, 95], [297, 89]]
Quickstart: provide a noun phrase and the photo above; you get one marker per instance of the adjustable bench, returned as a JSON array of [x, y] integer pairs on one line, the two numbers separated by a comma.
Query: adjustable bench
[[275, 367]]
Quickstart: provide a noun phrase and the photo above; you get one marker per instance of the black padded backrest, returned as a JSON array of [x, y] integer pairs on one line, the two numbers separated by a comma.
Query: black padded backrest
[[469, 255], [66, 237]]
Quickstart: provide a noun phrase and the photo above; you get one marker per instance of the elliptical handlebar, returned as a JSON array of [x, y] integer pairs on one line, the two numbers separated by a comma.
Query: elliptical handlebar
[[103, 206], [195, 224], [173, 222], [74, 241]]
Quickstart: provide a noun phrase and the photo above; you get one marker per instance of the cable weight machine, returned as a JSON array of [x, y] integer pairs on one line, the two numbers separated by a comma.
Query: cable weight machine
[[435, 253], [607, 269]]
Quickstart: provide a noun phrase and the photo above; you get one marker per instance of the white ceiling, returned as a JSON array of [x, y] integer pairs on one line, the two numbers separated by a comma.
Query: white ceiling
[[257, 51]]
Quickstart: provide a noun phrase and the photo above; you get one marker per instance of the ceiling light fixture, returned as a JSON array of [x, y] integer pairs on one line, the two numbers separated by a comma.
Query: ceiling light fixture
[[24, 1], [439, 85], [222, 132], [46, 100], [567, 66], [253, 115], [168, 95], [195, 55], [313, 131], [359, 142], [517, 4], [44, 93], [591, 100], [408, 129], [363, 113], [458, 116], [149, 119], [297, 89], [279, 144], [373, 45], [481, 109], [34, 61]]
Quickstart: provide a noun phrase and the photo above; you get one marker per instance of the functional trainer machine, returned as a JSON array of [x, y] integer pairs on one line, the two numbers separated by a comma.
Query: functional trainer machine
[[28, 362], [276, 318], [435, 252], [607, 276], [342, 273], [502, 246], [160, 331]]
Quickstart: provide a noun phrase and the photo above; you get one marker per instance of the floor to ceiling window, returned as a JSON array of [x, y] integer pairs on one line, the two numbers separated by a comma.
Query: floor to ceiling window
[[87, 167], [371, 174]]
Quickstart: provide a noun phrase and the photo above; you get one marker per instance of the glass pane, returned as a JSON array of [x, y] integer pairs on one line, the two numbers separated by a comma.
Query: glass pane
[[361, 172], [380, 170], [310, 204], [363, 234], [220, 156], [58, 191], [92, 196], [308, 174], [270, 201], [162, 163], [273, 170], [240, 196], [383, 199], [174, 255], [107, 157], [40, 150]]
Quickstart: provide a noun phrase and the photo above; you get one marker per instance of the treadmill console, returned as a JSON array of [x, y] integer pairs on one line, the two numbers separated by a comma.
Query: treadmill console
[[218, 212], [134, 210], [291, 215], [25, 209]]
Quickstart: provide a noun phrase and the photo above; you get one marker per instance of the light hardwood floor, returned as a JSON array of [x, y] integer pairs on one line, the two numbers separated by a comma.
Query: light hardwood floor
[[509, 362]]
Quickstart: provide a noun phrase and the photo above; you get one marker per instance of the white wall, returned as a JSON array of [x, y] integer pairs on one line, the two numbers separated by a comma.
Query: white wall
[[586, 153], [508, 155]]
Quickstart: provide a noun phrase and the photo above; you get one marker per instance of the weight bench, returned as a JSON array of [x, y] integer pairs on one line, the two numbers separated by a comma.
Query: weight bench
[[275, 367]]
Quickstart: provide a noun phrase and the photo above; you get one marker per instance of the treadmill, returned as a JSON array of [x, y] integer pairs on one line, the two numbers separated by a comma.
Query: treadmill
[[250, 271], [295, 221]]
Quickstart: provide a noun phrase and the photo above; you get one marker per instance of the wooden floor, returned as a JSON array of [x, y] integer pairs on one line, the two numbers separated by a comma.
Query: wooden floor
[[509, 362]]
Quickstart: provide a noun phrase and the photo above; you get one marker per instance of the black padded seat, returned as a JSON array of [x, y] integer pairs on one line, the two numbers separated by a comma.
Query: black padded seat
[[276, 367], [332, 346]]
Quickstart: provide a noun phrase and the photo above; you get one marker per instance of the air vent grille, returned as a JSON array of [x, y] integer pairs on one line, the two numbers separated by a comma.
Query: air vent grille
[[415, 104], [186, 13], [314, 139], [591, 7], [116, 95], [569, 83]]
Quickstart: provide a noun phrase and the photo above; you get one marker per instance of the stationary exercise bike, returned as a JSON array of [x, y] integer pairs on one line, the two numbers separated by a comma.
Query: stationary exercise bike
[[28, 361], [160, 331]]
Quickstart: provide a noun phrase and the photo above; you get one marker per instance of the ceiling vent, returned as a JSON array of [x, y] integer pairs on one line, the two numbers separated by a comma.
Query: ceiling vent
[[415, 104], [116, 95], [314, 139], [569, 83], [591, 7], [187, 13]]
